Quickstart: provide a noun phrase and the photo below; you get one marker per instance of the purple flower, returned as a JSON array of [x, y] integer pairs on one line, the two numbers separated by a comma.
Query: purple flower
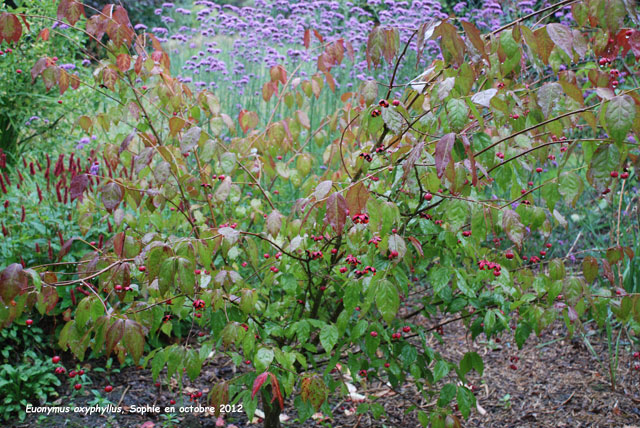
[[94, 168]]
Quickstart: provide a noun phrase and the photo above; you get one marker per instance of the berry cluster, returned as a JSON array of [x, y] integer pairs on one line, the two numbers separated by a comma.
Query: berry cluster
[[365, 271], [231, 225], [393, 254], [360, 219], [317, 238], [485, 264], [376, 113], [352, 260], [366, 156], [375, 241], [315, 255], [198, 304]]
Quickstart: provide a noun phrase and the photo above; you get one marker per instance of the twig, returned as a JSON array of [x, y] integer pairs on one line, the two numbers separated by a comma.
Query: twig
[[574, 244]]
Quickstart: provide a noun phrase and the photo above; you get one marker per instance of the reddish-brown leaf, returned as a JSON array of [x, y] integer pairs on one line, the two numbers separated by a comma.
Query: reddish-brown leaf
[[44, 34], [307, 38], [38, 68], [79, 184], [336, 215], [417, 245], [70, 10], [275, 387], [123, 62], [13, 280], [443, 152], [10, 28], [357, 197], [257, 384]]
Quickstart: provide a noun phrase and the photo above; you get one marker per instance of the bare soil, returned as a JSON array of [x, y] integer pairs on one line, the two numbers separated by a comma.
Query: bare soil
[[557, 383]]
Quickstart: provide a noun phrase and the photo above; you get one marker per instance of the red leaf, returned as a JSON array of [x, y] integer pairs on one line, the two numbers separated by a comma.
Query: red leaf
[[443, 152], [318, 36], [275, 386], [472, 160], [123, 62], [70, 10], [417, 245], [38, 68], [336, 214], [257, 384], [357, 197], [13, 280], [26, 24], [44, 34], [79, 184], [307, 38], [63, 81], [10, 28]]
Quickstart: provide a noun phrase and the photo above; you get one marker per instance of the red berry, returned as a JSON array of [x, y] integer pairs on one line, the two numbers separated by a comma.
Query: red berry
[[80, 372], [29, 322], [509, 255], [77, 386], [172, 402], [396, 103], [55, 359], [513, 367], [614, 174], [624, 175], [374, 334], [548, 245], [543, 253], [538, 169], [387, 365], [141, 268], [108, 388], [343, 269], [157, 384], [118, 287], [406, 329], [428, 196], [19, 71], [266, 255], [60, 102]]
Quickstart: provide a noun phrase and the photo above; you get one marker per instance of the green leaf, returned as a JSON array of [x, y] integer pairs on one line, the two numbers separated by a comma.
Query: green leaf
[[446, 394], [466, 400], [387, 300], [471, 360], [329, 337], [590, 269], [440, 370], [393, 119], [134, 339], [186, 276], [619, 117], [513, 227], [570, 186], [556, 269], [548, 96], [523, 330], [457, 114], [263, 359]]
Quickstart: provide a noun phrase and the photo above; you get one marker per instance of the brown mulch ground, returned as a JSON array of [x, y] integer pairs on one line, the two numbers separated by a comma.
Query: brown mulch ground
[[557, 383]]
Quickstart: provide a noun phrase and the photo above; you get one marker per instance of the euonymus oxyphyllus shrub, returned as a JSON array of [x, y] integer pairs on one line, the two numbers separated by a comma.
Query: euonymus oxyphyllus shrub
[[294, 247]]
